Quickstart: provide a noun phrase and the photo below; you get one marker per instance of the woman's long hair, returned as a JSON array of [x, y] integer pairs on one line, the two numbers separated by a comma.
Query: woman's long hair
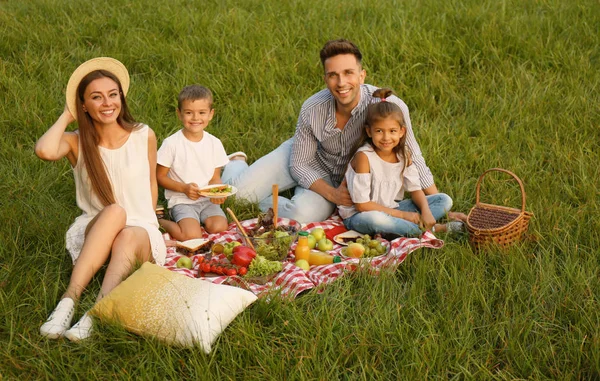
[[89, 138]]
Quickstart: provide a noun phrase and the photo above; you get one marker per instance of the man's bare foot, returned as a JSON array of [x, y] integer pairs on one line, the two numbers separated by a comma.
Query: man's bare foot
[[439, 228], [457, 216]]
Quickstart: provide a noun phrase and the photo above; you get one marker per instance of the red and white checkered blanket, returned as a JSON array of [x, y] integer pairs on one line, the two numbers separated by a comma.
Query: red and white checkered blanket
[[292, 280]]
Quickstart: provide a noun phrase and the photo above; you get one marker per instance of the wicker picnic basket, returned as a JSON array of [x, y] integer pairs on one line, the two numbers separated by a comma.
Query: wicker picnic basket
[[493, 224]]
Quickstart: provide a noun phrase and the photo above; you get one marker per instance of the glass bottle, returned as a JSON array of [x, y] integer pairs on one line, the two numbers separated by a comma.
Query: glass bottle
[[302, 249]]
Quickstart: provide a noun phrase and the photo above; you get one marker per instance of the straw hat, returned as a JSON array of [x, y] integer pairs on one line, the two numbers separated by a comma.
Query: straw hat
[[99, 63]]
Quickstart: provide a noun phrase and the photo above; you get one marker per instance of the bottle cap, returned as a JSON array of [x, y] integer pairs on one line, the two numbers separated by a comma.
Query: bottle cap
[[336, 259], [303, 233]]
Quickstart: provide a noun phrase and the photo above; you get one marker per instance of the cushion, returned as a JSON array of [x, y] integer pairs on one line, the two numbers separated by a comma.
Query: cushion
[[172, 307]]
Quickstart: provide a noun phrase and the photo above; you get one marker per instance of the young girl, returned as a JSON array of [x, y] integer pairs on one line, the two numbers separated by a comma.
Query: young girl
[[114, 165], [379, 174]]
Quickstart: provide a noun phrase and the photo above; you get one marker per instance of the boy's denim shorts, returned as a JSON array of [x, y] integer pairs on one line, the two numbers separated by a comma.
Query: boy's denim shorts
[[198, 211]]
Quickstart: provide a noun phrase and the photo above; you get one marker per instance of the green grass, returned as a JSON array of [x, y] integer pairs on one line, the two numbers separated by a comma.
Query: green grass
[[511, 84]]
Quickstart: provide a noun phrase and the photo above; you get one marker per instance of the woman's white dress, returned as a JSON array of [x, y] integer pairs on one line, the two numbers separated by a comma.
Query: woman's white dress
[[129, 172]]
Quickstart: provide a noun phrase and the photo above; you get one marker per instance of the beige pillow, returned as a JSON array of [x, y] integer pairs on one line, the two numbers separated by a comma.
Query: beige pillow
[[175, 308]]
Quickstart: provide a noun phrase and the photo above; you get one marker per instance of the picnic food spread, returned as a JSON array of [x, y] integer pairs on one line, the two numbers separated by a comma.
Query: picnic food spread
[[271, 245], [292, 280], [268, 259]]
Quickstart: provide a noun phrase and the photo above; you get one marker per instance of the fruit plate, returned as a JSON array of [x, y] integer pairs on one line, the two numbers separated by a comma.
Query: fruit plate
[[366, 256], [343, 238], [346, 257], [206, 191]]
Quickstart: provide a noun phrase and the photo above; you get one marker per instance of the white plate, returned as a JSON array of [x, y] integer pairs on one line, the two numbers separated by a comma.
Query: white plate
[[347, 234], [220, 195]]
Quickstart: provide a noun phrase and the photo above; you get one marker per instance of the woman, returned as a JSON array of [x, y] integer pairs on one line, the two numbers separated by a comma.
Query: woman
[[114, 165]]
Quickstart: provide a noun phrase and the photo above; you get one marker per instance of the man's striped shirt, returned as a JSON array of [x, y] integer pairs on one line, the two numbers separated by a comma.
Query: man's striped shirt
[[320, 149]]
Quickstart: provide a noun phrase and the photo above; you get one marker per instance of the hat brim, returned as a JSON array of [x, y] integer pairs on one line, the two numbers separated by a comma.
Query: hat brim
[[100, 63]]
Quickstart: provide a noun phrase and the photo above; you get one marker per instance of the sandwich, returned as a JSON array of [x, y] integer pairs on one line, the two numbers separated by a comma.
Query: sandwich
[[195, 246], [217, 190], [160, 212]]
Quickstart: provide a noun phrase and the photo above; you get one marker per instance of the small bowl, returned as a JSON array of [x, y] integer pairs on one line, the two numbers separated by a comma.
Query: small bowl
[[270, 247]]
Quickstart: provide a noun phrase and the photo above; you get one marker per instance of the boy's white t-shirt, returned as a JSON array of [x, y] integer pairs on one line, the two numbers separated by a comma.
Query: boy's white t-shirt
[[190, 162]]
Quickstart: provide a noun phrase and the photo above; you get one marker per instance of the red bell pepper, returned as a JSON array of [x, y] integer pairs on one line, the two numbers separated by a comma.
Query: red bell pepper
[[242, 256]]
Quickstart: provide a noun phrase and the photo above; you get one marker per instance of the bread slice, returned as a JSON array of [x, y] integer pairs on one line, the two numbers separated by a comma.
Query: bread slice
[[195, 246]]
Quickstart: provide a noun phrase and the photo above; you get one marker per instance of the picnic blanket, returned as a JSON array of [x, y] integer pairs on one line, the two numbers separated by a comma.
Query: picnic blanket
[[292, 280]]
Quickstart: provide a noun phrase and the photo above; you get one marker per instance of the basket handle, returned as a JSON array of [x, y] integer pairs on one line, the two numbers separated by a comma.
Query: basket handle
[[507, 172]]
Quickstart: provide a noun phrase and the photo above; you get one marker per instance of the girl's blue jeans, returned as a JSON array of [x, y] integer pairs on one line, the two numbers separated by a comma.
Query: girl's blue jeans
[[379, 222]]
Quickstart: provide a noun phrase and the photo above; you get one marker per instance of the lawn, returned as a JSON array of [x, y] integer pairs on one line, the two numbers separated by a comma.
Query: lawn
[[511, 83]]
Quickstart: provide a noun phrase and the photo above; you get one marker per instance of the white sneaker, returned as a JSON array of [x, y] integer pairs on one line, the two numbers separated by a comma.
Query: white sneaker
[[237, 154], [59, 320], [81, 330], [456, 227]]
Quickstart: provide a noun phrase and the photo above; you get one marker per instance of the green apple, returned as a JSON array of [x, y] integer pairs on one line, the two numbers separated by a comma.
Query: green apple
[[318, 233], [185, 262], [325, 244], [303, 264], [312, 241]]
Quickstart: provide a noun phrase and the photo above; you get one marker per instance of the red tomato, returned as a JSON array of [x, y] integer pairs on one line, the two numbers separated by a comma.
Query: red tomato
[[230, 272], [242, 271]]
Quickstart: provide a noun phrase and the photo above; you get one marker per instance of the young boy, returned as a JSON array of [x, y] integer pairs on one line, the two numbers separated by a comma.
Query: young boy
[[188, 160]]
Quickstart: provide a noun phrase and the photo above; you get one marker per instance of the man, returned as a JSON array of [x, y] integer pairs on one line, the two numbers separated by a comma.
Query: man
[[315, 159]]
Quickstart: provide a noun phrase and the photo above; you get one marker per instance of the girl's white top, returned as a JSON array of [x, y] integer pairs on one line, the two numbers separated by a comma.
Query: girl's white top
[[129, 172], [385, 183]]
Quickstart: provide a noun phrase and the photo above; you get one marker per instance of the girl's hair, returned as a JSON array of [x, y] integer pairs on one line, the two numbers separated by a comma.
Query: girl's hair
[[384, 110], [89, 138], [194, 93]]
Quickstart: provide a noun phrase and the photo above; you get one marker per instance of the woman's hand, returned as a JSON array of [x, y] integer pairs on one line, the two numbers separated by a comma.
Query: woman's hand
[[191, 190], [67, 115]]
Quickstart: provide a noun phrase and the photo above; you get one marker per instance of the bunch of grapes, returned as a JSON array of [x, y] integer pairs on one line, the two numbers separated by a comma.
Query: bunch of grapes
[[373, 247]]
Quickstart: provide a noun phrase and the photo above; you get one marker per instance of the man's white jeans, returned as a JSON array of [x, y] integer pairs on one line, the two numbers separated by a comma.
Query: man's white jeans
[[255, 182]]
